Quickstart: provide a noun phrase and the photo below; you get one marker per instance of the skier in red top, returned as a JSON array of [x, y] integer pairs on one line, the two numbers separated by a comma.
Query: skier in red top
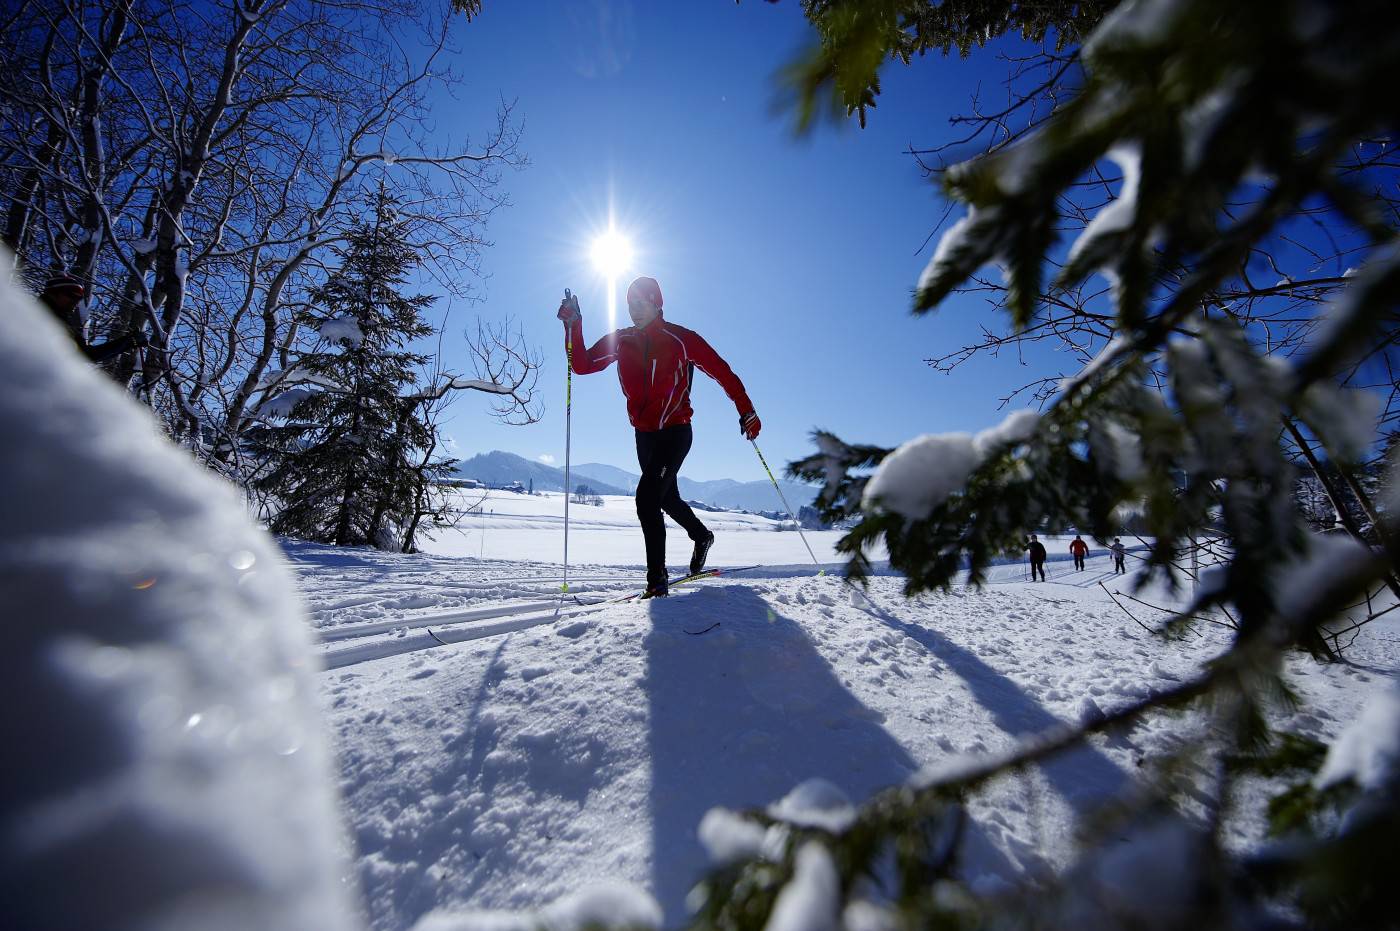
[[1078, 549], [656, 362]]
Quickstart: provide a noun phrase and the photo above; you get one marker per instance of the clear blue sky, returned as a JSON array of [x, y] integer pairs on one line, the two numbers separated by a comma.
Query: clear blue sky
[[794, 258]]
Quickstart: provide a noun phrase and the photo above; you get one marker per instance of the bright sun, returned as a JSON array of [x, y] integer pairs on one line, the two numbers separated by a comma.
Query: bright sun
[[612, 253]]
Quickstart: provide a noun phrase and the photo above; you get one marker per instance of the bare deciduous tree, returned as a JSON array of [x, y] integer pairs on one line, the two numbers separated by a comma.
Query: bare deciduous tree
[[193, 163]]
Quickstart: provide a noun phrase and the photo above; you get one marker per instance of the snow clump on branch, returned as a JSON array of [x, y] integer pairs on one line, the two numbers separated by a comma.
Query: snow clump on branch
[[344, 330], [924, 472], [1368, 751], [815, 803], [811, 900]]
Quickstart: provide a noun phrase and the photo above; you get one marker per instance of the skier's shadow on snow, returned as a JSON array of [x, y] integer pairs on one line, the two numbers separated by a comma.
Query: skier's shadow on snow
[[742, 714], [1083, 775]]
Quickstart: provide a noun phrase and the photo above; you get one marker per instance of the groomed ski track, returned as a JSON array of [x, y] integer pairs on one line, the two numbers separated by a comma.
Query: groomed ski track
[[511, 620], [441, 629]]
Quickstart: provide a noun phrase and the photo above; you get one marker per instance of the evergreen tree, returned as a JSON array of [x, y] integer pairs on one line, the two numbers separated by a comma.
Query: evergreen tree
[[857, 37], [347, 462]]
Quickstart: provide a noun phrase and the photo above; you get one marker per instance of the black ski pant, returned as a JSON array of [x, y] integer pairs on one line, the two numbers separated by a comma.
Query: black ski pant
[[660, 454], [1038, 567], [1078, 561], [1118, 565]]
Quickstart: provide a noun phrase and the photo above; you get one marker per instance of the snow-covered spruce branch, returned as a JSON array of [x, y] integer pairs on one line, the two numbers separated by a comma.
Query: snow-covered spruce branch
[[1139, 239], [1280, 315]]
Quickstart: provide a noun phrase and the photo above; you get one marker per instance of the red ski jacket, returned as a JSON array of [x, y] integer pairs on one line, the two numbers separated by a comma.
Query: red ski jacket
[[655, 366], [1078, 548]]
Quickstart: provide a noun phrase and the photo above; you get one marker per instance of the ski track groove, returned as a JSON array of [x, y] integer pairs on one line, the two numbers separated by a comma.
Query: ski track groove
[[512, 618], [324, 612], [429, 639], [355, 631]]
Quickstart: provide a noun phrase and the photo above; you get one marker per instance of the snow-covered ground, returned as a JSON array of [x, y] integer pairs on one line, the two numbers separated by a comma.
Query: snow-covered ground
[[498, 750]]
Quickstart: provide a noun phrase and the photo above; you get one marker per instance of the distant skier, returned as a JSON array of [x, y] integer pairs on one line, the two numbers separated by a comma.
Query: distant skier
[[63, 295], [1037, 551], [1120, 553], [1078, 549], [655, 366]]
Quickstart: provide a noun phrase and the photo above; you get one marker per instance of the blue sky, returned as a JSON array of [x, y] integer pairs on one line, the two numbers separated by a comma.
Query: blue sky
[[794, 258]]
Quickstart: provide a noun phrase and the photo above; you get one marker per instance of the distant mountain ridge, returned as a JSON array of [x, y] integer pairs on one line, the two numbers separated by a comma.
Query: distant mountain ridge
[[502, 468]]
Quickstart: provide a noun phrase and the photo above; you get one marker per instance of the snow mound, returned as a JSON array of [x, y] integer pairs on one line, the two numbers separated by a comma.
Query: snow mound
[[156, 675]]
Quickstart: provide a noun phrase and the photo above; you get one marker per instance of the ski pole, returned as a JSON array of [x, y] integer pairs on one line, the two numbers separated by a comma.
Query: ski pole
[[568, 433], [791, 512]]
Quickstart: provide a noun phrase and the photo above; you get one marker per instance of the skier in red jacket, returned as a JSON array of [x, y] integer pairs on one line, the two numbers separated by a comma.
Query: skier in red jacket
[[656, 362], [1078, 549]]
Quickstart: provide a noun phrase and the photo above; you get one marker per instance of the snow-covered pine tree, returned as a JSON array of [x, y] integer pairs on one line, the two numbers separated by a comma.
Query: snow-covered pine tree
[[346, 463]]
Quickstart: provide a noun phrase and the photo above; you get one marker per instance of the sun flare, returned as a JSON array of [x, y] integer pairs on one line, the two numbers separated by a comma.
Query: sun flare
[[612, 254]]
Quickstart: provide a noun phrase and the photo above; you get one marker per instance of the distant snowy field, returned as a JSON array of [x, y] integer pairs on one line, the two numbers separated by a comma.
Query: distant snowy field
[[500, 751], [531, 527]]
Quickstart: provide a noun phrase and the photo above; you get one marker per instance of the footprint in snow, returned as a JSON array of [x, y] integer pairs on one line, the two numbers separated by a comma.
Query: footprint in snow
[[1158, 670]]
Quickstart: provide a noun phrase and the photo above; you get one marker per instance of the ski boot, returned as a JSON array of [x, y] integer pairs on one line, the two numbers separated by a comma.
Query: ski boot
[[702, 549], [656, 586]]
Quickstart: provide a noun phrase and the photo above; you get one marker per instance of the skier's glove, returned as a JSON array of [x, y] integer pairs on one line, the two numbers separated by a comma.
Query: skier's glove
[[749, 425], [568, 310]]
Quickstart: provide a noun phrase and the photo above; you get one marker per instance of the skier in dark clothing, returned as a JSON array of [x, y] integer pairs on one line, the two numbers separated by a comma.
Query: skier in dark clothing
[[656, 362], [1078, 549], [63, 295], [1037, 551]]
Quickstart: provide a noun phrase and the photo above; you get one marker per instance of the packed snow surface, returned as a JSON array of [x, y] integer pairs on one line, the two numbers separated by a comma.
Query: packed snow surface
[[622, 742]]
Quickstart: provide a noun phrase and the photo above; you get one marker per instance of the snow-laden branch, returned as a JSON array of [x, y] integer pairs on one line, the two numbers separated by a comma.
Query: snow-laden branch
[[448, 383]]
